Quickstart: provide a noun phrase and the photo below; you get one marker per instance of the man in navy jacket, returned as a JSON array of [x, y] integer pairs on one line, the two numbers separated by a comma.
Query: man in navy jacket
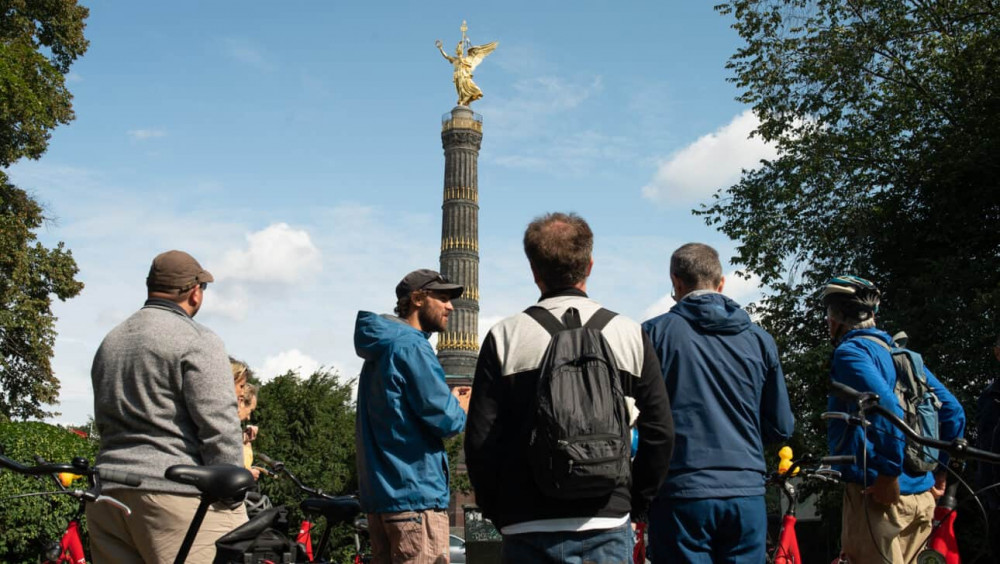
[[728, 397]]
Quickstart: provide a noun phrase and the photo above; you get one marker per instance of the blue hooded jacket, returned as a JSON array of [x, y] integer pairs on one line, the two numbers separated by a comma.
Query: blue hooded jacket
[[867, 367], [727, 394], [405, 410]]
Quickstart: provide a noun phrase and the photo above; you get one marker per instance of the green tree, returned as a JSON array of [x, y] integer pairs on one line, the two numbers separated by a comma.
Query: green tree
[[886, 115], [308, 423], [38, 43]]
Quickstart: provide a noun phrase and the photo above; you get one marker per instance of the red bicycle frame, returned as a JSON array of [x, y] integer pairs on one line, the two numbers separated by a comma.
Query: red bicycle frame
[[70, 546]]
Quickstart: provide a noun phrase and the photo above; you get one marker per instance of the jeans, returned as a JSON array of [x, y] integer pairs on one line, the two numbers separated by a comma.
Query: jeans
[[604, 546], [708, 530]]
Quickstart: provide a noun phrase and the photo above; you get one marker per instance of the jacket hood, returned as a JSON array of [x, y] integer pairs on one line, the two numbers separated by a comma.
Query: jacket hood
[[373, 333], [713, 313]]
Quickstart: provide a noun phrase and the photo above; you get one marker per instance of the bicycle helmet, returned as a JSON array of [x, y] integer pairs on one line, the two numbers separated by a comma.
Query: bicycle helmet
[[853, 295]]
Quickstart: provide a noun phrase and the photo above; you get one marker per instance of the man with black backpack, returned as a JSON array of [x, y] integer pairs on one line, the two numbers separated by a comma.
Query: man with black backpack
[[547, 442], [729, 399], [887, 510]]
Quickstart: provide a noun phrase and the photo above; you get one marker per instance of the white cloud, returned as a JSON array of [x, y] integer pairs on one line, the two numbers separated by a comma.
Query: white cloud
[[660, 307], [713, 161], [277, 254], [283, 362], [144, 134], [228, 301]]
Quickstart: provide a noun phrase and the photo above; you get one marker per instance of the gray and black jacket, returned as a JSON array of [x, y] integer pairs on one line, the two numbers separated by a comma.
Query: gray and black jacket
[[496, 435]]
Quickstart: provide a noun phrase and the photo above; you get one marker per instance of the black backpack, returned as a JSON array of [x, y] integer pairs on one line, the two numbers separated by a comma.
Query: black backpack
[[580, 440], [262, 539]]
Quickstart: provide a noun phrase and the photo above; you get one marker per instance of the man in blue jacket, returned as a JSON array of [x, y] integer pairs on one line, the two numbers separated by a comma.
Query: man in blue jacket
[[728, 397], [888, 510], [405, 410]]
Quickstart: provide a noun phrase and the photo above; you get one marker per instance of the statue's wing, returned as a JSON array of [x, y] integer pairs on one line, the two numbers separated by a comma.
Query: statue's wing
[[478, 52]]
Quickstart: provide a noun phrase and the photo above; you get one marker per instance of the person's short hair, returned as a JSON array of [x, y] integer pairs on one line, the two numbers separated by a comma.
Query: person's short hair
[[697, 265], [241, 371], [404, 304], [849, 316], [559, 248], [997, 342], [250, 394]]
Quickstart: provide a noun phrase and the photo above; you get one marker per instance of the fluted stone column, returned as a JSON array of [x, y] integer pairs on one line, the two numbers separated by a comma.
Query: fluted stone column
[[461, 135]]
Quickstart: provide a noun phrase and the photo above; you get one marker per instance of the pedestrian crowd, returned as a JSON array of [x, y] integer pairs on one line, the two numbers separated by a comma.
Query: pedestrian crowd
[[560, 392]]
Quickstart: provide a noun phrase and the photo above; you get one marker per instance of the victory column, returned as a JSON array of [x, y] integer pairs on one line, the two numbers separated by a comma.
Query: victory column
[[461, 135]]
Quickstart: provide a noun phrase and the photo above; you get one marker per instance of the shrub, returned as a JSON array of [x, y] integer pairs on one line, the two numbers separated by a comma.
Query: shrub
[[27, 524]]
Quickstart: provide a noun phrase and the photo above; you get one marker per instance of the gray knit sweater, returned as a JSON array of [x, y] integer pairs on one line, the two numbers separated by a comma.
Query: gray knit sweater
[[164, 395]]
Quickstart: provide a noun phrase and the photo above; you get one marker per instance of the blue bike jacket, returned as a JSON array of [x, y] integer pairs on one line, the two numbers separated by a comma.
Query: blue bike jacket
[[867, 367], [405, 410], [727, 394]]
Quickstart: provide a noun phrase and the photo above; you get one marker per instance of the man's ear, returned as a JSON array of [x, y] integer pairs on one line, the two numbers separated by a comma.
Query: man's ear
[[722, 284], [195, 297], [590, 267]]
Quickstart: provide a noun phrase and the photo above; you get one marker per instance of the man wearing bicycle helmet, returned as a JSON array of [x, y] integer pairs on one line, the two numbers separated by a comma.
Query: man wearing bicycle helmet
[[887, 508], [405, 410]]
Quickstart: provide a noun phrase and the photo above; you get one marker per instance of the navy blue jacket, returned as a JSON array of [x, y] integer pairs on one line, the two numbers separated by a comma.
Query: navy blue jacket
[[404, 411], [727, 393], [867, 367]]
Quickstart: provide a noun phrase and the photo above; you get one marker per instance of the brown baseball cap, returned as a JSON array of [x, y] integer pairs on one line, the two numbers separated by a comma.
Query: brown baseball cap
[[426, 279], [176, 270]]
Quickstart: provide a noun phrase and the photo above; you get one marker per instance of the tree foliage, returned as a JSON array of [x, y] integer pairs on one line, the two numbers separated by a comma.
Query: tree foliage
[[31, 274], [38, 43], [307, 423], [886, 115], [39, 40], [27, 524]]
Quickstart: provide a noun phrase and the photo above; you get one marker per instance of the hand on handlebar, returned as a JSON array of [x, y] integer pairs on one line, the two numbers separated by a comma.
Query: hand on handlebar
[[885, 490]]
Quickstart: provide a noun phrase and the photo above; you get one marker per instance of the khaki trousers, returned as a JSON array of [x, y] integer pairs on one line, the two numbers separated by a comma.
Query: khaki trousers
[[153, 533], [885, 534], [410, 537]]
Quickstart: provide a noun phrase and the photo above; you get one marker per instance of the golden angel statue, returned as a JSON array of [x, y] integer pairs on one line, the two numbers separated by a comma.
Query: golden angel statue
[[467, 58]]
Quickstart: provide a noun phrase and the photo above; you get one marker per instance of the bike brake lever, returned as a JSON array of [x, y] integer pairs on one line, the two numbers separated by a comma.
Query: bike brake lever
[[114, 502]]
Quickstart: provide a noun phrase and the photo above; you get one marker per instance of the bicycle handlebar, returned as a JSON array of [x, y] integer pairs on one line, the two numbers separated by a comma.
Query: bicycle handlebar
[[79, 466], [868, 401], [279, 467]]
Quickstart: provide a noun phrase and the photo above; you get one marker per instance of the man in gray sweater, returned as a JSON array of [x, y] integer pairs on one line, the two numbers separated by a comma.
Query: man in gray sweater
[[163, 395]]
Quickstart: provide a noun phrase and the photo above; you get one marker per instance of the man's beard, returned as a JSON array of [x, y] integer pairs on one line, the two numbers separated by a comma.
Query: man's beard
[[428, 324]]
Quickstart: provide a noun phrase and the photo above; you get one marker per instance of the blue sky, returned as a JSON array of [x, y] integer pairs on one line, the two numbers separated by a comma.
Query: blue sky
[[295, 151]]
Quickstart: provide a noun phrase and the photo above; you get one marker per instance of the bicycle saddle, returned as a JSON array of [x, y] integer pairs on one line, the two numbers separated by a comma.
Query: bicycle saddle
[[223, 482], [336, 510]]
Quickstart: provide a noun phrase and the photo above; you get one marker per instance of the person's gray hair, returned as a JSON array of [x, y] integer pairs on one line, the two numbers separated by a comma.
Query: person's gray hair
[[849, 318], [697, 265]]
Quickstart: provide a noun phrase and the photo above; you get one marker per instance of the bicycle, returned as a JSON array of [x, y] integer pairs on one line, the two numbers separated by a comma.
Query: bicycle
[[334, 510], [70, 548], [230, 484], [940, 546], [786, 548]]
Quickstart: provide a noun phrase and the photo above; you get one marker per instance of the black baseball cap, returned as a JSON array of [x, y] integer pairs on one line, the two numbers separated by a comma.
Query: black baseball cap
[[426, 279]]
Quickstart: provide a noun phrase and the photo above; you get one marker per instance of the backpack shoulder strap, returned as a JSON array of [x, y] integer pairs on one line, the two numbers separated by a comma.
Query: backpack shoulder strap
[[600, 319], [875, 340], [545, 318]]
